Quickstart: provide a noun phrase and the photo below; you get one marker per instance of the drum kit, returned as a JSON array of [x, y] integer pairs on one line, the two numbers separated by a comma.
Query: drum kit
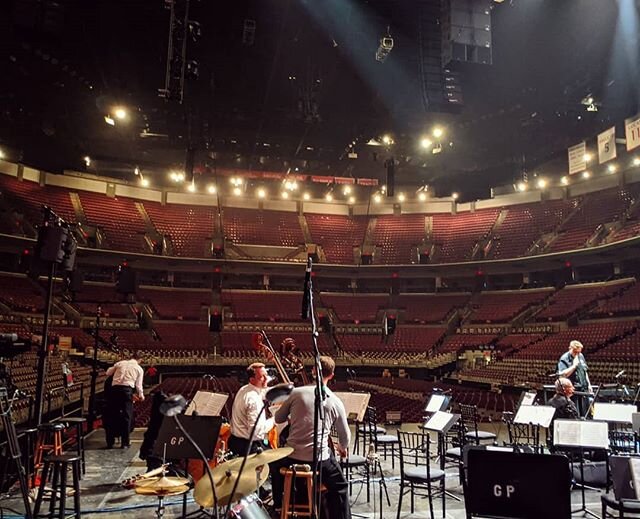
[[254, 474]]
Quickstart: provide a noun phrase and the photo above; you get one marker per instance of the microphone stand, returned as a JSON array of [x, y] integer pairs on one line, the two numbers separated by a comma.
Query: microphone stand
[[320, 394]]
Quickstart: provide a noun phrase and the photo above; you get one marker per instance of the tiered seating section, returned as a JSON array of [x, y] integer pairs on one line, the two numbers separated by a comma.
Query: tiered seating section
[[86, 301], [248, 305], [277, 228], [338, 235], [457, 234], [21, 295], [171, 304], [355, 308], [430, 308], [502, 307], [397, 236]]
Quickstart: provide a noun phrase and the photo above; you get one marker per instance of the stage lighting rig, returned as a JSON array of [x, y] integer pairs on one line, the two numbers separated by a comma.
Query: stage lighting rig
[[590, 103], [385, 47]]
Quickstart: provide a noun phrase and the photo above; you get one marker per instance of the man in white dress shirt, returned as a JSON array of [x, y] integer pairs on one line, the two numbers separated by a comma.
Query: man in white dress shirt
[[127, 379], [246, 407]]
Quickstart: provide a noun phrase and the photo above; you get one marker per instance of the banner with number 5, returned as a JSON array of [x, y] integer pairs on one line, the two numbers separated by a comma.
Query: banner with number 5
[[607, 145]]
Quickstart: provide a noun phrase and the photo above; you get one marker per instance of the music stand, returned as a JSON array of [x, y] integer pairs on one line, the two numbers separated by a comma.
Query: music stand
[[581, 434], [500, 485], [614, 413], [437, 402], [528, 420], [441, 422]]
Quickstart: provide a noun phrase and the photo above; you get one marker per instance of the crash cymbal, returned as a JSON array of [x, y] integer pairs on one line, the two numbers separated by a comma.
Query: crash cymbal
[[224, 478], [145, 491], [162, 483], [268, 456]]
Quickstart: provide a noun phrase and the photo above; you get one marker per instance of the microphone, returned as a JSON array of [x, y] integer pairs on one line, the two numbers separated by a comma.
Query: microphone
[[305, 295], [619, 374], [173, 405]]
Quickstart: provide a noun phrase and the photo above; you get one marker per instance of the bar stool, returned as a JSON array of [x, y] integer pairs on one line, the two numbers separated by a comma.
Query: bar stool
[[61, 465], [78, 423], [299, 509], [48, 441]]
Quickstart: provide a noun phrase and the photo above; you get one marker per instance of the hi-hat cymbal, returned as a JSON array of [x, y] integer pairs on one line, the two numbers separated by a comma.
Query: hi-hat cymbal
[[162, 483], [162, 492], [224, 478]]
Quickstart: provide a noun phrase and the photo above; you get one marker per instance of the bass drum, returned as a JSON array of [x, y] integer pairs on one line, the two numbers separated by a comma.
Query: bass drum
[[249, 508]]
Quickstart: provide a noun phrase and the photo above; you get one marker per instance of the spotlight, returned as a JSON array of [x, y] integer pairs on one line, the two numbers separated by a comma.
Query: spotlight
[[2, 155], [522, 186], [284, 195], [422, 196], [144, 182], [564, 181], [346, 190], [236, 181], [636, 160], [120, 113], [87, 160], [587, 157], [387, 139], [611, 168], [261, 193], [401, 197], [586, 174], [383, 189], [211, 189], [426, 143], [377, 199], [542, 183], [352, 199], [384, 48], [136, 171], [455, 196], [237, 191], [191, 187], [328, 197], [438, 132], [306, 196], [109, 120]]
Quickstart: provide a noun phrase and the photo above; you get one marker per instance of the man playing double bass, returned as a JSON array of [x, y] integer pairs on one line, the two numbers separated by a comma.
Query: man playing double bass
[[246, 408]]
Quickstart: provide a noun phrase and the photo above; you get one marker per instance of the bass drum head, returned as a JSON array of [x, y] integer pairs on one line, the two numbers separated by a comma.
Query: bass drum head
[[249, 508]]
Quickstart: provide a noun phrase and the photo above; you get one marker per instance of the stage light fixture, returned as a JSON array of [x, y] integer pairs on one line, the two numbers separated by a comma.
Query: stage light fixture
[[438, 132], [564, 180], [120, 113], [425, 143], [636, 160], [328, 197], [612, 168], [384, 47], [284, 194], [401, 197], [144, 182], [586, 174], [346, 190], [306, 196], [587, 157], [422, 196], [109, 120], [352, 200], [522, 186], [191, 187], [211, 189], [261, 193], [455, 195], [2, 155], [136, 171], [387, 140], [383, 189], [377, 198], [87, 160], [237, 191], [542, 183]]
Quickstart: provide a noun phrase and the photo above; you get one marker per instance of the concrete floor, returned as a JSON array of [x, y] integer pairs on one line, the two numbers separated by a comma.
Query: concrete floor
[[106, 469]]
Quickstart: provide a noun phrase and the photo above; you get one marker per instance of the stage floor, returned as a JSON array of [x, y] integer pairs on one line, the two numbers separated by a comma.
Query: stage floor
[[103, 496]]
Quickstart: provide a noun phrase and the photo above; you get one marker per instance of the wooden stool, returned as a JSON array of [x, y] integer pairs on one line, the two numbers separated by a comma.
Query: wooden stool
[[49, 441], [298, 510], [59, 485]]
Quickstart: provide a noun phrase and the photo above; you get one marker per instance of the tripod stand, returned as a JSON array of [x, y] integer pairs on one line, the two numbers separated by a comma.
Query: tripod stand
[[14, 447]]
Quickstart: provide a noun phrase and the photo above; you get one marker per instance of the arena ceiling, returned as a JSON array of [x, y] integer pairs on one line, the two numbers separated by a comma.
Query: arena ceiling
[[308, 86]]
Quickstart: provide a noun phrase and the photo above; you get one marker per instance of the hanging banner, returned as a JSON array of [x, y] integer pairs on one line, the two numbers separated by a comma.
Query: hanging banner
[[607, 145], [576, 158], [632, 132]]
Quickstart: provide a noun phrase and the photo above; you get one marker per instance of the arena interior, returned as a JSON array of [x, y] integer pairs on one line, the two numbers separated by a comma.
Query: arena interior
[[461, 176]]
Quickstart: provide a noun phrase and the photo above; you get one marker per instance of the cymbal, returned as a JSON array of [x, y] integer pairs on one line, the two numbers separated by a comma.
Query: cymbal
[[162, 492], [162, 483], [268, 456], [224, 478]]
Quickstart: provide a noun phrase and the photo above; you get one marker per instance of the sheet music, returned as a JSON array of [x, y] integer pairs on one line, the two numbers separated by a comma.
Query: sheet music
[[577, 433], [535, 415], [620, 413], [355, 404], [206, 403], [528, 398], [435, 403], [439, 421], [635, 475]]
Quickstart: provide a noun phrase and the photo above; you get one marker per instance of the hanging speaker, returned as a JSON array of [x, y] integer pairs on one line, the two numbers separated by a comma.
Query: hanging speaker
[[390, 164]]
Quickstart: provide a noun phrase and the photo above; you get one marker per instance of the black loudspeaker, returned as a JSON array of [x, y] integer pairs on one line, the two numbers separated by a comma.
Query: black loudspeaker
[[389, 324], [390, 164], [188, 164], [325, 322], [215, 320], [126, 280], [366, 259], [75, 281], [50, 244]]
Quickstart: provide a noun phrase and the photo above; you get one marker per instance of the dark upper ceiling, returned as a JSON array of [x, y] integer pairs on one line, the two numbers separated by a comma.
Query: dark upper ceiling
[[66, 63]]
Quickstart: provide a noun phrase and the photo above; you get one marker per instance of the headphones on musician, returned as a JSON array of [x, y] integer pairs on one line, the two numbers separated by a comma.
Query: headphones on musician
[[561, 387]]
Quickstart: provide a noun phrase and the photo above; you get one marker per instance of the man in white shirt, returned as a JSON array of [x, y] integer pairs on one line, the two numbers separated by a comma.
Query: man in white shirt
[[246, 408], [127, 378]]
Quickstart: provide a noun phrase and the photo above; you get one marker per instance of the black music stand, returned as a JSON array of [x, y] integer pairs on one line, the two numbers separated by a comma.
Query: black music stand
[[501, 484], [441, 422], [204, 430]]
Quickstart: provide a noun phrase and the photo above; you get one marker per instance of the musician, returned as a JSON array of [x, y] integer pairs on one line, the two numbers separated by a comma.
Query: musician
[[127, 379], [572, 365], [298, 409], [561, 401], [246, 407]]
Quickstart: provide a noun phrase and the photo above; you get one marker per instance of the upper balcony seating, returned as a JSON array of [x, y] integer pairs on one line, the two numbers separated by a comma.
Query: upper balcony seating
[[176, 303], [466, 341], [397, 236], [627, 303], [416, 338], [91, 295], [525, 223], [189, 227], [250, 226], [20, 294], [119, 218], [185, 336], [573, 298], [457, 234], [430, 308], [242, 341], [501, 307], [254, 305], [356, 308], [337, 234]]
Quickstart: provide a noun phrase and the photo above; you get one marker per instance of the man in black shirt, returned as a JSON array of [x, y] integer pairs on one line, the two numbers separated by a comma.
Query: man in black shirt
[[561, 401]]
